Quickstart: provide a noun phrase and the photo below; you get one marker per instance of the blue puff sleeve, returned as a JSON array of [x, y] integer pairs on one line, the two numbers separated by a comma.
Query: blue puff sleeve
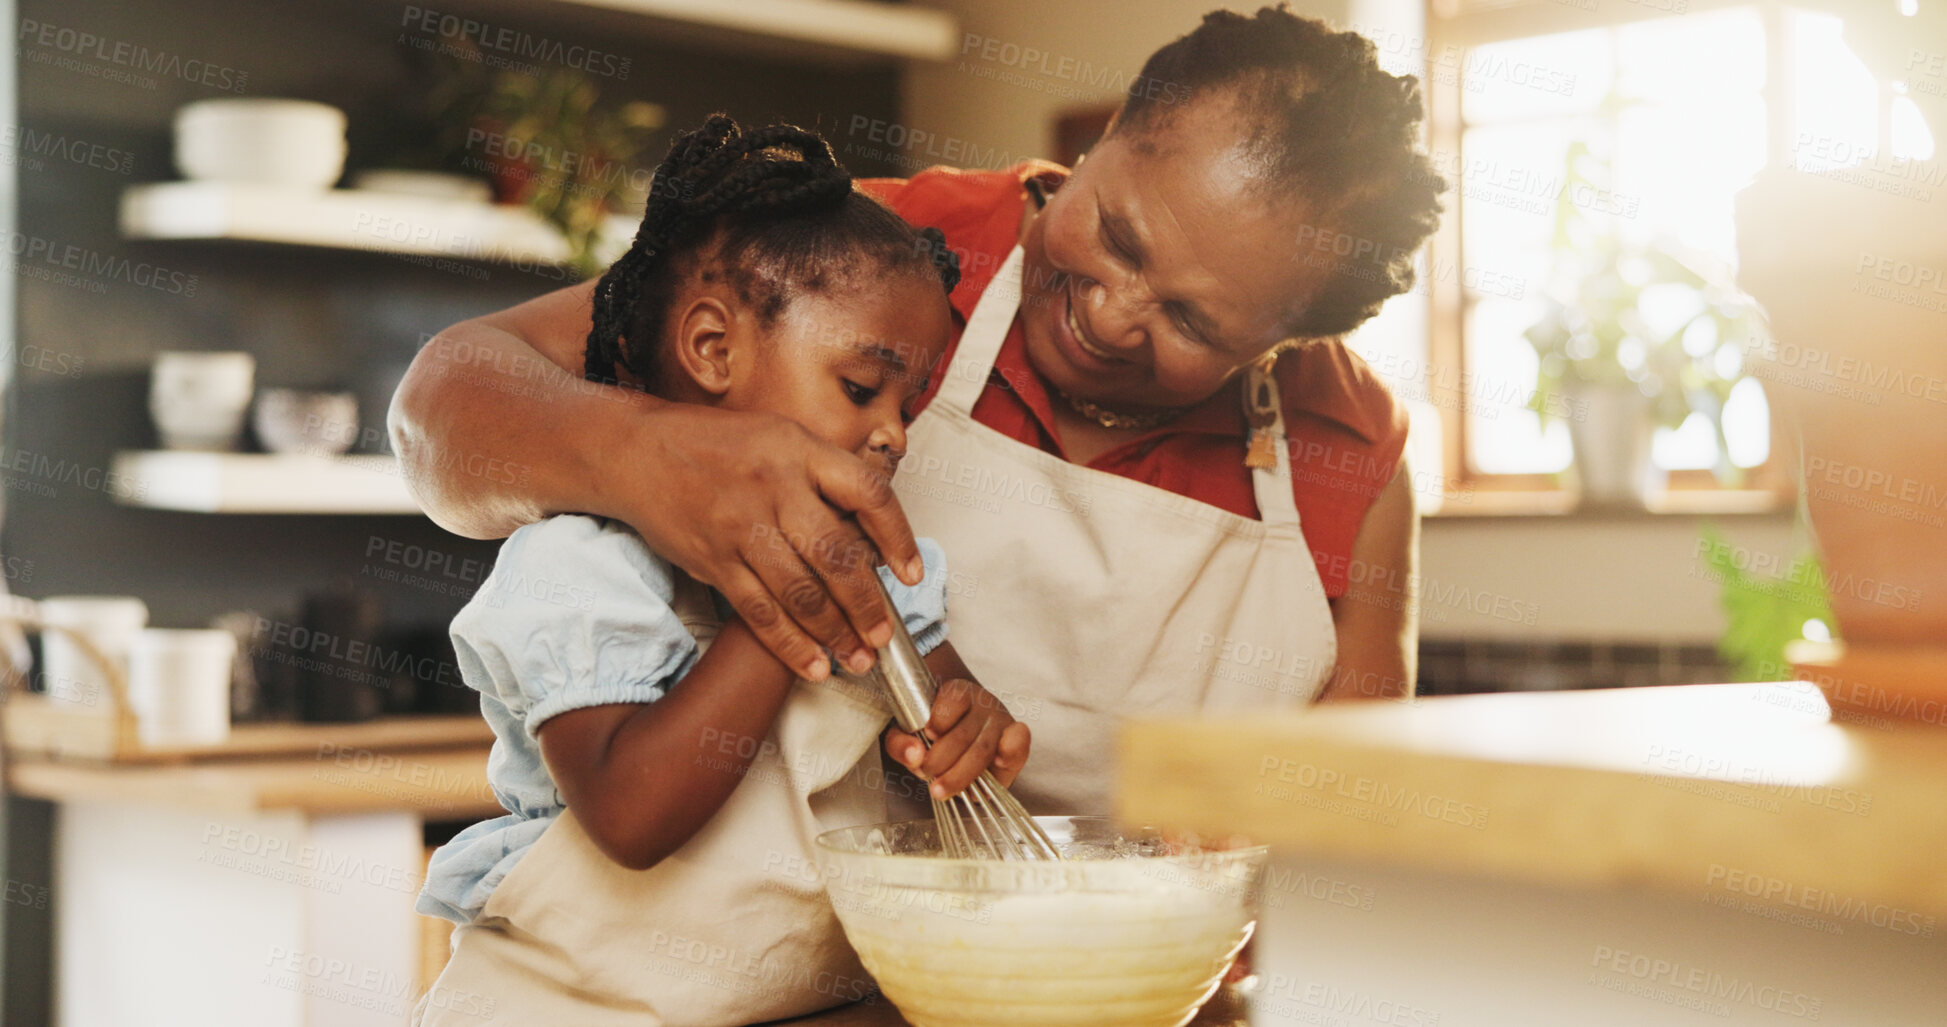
[[576, 613], [922, 606]]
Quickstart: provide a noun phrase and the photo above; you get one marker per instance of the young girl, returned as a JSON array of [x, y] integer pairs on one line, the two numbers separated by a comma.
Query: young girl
[[663, 773]]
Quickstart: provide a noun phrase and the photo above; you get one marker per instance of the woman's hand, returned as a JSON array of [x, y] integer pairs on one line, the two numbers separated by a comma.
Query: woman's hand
[[762, 525], [495, 428]]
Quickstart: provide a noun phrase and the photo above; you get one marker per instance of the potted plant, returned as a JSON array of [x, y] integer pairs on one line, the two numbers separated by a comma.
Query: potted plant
[[546, 141], [1634, 337]]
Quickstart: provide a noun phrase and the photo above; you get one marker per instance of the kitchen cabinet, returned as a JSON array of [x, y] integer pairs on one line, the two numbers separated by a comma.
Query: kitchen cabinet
[[1700, 854], [276, 891], [273, 891]]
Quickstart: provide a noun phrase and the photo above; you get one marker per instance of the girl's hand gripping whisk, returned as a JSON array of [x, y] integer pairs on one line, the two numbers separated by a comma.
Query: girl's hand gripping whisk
[[964, 742]]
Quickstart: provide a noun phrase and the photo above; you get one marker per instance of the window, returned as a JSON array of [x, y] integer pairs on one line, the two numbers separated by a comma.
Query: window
[[1586, 149]]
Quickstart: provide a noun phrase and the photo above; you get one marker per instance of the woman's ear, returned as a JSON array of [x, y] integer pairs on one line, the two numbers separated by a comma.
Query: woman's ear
[[705, 344]]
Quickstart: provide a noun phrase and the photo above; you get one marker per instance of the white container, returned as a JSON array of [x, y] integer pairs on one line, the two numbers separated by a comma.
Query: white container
[[111, 623], [198, 399], [295, 143], [317, 423], [179, 686]]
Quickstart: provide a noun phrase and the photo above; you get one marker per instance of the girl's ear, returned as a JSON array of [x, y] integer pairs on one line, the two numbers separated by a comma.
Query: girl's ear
[[705, 345]]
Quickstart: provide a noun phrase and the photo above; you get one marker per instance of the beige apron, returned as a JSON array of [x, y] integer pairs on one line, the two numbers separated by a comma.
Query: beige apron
[[1080, 596], [733, 928]]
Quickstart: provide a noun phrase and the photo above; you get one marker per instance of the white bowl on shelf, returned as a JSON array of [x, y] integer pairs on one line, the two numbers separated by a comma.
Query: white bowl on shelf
[[313, 423], [198, 399], [294, 143]]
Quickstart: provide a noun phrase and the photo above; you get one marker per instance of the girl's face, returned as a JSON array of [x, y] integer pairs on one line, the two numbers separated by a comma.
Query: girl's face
[[1156, 273], [848, 363]]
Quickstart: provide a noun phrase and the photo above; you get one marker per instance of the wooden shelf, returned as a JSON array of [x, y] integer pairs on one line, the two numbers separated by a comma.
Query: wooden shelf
[[854, 26], [352, 219], [1561, 503], [257, 483]]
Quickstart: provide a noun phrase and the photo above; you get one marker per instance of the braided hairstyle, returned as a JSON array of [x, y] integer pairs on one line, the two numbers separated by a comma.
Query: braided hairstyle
[[769, 212], [1340, 136]]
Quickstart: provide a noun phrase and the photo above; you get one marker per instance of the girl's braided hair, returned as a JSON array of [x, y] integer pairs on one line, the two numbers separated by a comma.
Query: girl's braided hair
[[784, 219], [1340, 135]]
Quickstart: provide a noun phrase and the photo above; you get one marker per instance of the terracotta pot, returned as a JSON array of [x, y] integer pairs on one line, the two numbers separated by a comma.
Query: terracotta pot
[[1852, 278], [1851, 265]]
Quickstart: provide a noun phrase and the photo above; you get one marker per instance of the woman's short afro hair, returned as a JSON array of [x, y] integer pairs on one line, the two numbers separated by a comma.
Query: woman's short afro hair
[[1339, 135]]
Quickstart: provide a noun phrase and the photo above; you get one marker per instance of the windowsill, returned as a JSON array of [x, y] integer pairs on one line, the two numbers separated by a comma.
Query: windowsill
[[1675, 503]]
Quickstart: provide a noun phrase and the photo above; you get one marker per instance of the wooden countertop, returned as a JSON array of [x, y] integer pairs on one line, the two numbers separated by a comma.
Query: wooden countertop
[[1676, 789], [448, 783]]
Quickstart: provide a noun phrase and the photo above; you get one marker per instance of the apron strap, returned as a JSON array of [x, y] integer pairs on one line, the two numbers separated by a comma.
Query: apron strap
[[980, 341], [1276, 501]]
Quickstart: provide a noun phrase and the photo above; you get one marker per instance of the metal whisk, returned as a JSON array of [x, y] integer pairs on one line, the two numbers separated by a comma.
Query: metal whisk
[[984, 820]]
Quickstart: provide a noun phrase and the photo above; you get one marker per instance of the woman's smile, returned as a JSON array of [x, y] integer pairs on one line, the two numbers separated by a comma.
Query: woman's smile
[[1076, 346]]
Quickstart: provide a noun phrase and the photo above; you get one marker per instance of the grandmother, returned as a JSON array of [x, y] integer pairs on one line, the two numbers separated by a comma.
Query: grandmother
[[1161, 480]]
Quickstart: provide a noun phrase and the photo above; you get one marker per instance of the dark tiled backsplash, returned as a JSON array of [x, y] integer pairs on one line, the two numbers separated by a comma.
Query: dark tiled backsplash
[[1451, 667]]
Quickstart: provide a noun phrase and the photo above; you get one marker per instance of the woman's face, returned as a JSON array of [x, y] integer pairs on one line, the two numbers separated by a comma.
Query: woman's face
[[1156, 272]]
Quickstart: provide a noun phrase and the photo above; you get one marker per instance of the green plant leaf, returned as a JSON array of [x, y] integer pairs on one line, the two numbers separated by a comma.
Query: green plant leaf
[[1762, 613]]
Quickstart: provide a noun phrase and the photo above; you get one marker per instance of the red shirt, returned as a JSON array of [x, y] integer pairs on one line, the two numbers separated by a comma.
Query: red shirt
[[1346, 431]]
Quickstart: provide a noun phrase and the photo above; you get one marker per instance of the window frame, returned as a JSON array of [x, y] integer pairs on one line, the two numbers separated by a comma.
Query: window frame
[[1454, 23]]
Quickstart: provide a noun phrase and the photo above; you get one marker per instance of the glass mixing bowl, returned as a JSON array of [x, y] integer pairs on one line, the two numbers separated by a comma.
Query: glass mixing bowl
[[1129, 930]]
